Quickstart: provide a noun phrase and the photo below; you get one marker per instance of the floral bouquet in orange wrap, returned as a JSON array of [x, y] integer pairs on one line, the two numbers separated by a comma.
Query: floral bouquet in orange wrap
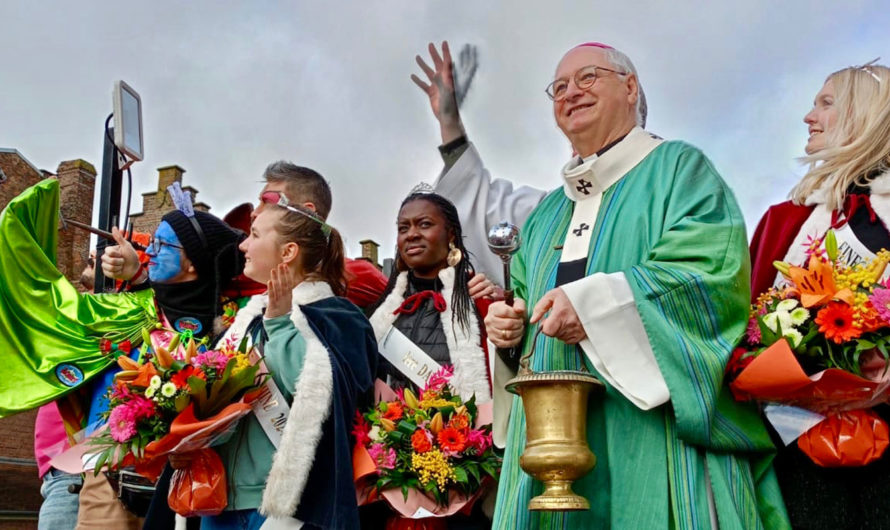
[[178, 398], [428, 455], [820, 343]]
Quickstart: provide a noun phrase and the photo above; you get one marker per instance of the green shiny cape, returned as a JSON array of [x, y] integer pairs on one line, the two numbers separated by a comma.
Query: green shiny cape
[[49, 332]]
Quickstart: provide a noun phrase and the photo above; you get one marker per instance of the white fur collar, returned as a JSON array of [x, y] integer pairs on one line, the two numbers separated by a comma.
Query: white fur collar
[[879, 199], [304, 293], [311, 405], [583, 179], [879, 185], [464, 346]]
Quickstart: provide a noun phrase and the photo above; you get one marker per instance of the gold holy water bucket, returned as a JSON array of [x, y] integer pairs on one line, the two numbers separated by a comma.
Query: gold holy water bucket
[[556, 450]]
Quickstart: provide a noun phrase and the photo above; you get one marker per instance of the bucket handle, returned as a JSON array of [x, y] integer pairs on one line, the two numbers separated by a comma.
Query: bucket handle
[[524, 360]]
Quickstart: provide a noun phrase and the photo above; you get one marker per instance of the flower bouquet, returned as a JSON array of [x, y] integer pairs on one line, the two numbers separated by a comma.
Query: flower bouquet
[[820, 343], [429, 455], [178, 398]]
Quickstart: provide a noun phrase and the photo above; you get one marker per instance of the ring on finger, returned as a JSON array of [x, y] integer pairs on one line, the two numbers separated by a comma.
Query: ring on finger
[[504, 334]]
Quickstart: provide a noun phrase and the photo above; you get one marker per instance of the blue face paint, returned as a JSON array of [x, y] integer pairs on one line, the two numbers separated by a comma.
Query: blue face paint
[[167, 263]]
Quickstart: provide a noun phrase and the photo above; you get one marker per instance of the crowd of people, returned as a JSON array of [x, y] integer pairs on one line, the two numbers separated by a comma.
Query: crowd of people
[[635, 267]]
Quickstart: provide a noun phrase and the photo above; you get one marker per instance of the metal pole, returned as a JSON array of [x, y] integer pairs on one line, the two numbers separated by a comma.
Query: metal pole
[[109, 206]]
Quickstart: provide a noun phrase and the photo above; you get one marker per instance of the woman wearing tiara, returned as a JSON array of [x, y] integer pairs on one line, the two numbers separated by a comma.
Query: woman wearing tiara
[[847, 189], [427, 301]]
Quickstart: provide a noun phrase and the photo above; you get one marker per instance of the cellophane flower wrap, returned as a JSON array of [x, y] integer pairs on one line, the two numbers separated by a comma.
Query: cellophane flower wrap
[[820, 342], [180, 397], [426, 447]]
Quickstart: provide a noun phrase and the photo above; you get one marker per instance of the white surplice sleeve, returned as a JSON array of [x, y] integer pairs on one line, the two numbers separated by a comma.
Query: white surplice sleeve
[[482, 203], [616, 342]]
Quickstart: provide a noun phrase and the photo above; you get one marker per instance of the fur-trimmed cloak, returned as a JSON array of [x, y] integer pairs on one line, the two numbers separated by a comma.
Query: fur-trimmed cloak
[[311, 477]]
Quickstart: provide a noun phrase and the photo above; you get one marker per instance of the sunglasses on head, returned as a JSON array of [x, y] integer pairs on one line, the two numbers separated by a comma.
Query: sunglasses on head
[[279, 199]]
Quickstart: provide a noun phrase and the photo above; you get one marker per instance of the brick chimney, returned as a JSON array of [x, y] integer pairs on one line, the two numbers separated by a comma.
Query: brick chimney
[[167, 175], [157, 203], [77, 183], [369, 251]]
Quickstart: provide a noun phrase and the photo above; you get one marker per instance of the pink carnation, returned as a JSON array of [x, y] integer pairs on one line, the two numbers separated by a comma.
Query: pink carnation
[[384, 457], [880, 300], [479, 441]]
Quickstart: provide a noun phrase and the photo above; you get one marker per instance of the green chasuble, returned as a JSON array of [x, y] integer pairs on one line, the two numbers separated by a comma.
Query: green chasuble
[[673, 228], [49, 332]]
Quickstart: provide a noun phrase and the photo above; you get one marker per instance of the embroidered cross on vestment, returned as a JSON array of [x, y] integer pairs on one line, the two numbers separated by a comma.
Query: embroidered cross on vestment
[[580, 230]]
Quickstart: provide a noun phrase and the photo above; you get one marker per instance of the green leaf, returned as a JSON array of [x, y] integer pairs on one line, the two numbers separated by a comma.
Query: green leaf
[[103, 457], [473, 469], [460, 474], [863, 344], [406, 427]]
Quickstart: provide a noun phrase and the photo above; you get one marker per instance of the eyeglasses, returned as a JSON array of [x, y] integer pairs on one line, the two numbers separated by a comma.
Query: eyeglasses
[[584, 78], [154, 245], [279, 199]]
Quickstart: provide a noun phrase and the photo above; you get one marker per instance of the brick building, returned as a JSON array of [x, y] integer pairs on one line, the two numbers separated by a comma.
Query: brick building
[[157, 203]]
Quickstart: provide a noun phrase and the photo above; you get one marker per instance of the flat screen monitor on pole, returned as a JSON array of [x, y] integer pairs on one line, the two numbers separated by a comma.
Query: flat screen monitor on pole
[[128, 121]]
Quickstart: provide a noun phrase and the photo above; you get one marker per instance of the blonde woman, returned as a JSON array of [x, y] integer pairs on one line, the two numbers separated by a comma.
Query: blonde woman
[[847, 189]]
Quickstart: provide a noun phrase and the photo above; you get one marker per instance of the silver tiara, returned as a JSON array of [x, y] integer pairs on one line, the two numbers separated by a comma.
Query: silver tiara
[[867, 68], [423, 187]]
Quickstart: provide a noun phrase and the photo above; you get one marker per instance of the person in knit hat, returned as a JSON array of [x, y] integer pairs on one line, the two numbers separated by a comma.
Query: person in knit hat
[[191, 259]]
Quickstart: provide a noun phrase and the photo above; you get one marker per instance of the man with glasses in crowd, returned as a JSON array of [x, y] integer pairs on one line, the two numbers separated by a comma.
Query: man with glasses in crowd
[[636, 268]]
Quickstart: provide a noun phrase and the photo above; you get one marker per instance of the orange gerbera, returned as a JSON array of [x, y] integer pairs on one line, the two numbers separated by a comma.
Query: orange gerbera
[[420, 441], [452, 440], [394, 411], [836, 322], [460, 422]]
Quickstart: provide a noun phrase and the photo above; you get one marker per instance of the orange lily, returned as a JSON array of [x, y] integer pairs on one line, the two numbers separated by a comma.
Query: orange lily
[[146, 372], [816, 284]]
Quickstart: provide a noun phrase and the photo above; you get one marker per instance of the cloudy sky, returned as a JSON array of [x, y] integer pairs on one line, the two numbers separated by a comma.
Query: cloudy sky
[[228, 87]]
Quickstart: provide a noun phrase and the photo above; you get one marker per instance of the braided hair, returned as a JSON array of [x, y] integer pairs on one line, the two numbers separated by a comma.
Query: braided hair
[[461, 302]]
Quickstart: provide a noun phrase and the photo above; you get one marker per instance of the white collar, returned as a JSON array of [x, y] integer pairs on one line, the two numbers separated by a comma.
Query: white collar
[[583, 179], [464, 345], [879, 185]]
